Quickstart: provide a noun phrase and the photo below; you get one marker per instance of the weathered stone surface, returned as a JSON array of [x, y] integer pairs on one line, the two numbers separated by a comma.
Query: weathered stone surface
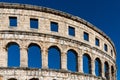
[[23, 35]]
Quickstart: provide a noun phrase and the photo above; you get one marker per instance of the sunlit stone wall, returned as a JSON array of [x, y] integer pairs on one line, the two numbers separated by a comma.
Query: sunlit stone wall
[[23, 35]]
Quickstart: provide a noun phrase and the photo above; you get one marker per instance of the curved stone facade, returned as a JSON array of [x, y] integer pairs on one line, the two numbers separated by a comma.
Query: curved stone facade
[[44, 37]]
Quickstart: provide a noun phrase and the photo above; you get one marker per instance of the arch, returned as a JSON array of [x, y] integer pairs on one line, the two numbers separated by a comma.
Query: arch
[[34, 79], [13, 50], [112, 73], [106, 70], [54, 57], [86, 64], [12, 79], [72, 60], [34, 56], [98, 67]]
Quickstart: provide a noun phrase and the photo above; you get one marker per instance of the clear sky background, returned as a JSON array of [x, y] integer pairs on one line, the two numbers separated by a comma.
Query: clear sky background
[[105, 14]]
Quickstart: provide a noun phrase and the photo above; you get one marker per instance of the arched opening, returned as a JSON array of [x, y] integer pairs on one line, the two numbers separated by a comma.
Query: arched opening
[[72, 61], [54, 58], [12, 79], [13, 54], [106, 70], [112, 73], [86, 64], [97, 67], [34, 79], [34, 56]]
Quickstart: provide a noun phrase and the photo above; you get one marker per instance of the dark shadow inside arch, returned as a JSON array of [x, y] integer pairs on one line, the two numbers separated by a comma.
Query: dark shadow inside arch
[[34, 56], [72, 61], [54, 58], [13, 54], [86, 64], [97, 67], [12, 79], [112, 72], [106, 69], [34, 79]]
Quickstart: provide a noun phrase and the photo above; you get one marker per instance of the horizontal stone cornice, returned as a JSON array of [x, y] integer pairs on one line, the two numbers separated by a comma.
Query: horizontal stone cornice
[[4, 69]]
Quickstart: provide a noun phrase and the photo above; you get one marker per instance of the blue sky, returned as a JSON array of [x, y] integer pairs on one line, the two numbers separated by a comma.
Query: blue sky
[[105, 14]]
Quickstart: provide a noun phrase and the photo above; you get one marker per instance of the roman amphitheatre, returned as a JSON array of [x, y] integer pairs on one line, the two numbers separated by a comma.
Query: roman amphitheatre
[[83, 52]]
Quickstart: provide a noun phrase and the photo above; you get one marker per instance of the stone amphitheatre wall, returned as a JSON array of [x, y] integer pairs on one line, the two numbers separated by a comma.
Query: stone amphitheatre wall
[[23, 35]]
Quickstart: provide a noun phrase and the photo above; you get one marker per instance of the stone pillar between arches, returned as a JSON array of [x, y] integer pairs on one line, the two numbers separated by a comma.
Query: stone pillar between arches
[[3, 57], [110, 73], [44, 58], [80, 63], [102, 71], [92, 66], [63, 61], [23, 57], [115, 71]]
